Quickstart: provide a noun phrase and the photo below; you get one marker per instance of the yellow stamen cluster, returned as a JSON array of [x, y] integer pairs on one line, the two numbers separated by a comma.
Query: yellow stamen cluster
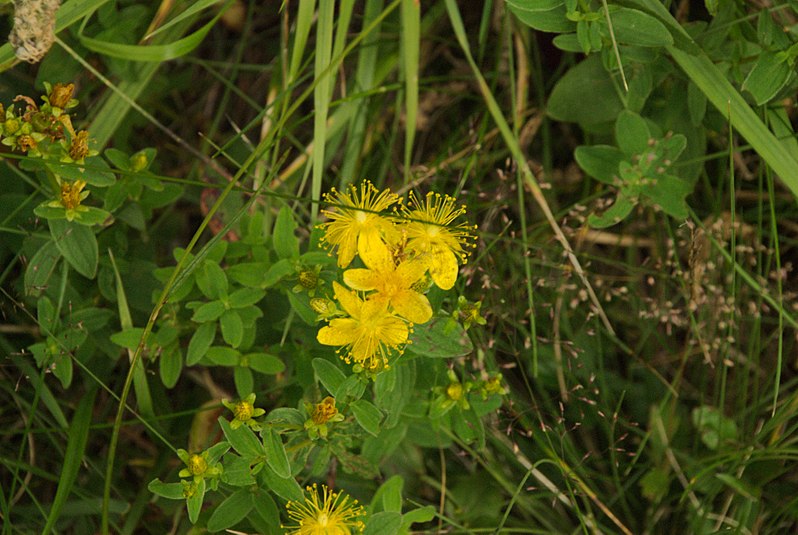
[[331, 513], [400, 252]]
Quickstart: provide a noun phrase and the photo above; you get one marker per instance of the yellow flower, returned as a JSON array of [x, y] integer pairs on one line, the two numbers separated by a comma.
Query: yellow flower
[[332, 513], [392, 284], [434, 238], [369, 334], [355, 223]]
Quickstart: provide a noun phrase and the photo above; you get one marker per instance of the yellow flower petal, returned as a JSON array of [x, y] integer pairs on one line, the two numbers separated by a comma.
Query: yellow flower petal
[[443, 268], [340, 332], [350, 302], [361, 279], [373, 251], [347, 247], [410, 272], [393, 331], [412, 306]]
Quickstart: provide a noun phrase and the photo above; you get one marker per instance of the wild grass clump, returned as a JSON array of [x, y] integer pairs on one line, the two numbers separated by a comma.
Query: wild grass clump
[[390, 267]]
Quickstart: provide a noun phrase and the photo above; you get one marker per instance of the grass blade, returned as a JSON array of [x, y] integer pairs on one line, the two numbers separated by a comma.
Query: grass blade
[[364, 81], [156, 53], [304, 19], [142, 388], [321, 95], [73, 457], [411, 37]]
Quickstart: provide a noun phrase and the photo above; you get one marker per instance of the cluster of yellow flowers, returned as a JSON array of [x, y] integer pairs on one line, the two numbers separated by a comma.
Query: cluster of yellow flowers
[[402, 251]]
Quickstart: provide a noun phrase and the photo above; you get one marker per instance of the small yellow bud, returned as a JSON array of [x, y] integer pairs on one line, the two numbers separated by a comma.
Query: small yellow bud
[[197, 465]]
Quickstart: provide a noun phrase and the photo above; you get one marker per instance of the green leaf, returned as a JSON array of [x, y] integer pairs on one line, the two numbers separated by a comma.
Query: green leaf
[[244, 297], [223, 356], [696, 104], [543, 15], [384, 523], [633, 27], [285, 487], [286, 244], [194, 504], [388, 496], [170, 364], [77, 437], [329, 374], [96, 172], [715, 428], [46, 316], [440, 338], [352, 388], [770, 74], [367, 415], [568, 42], [231, 511], [614, 215], [128, 338], [568, 100], [669, 192], [422, 514], [277, 271], [654, 485], [77, 244], [599, 161], [243, 440], [232, 328], [171, 491], [150, 53], [208, 312], [631, 133], [237, 471], [265, 363], [301, 305], [249, 274], [242, 377], [40, 268], [355, 464], [275, 453], [212, 280], [267, 510], [200, 341]]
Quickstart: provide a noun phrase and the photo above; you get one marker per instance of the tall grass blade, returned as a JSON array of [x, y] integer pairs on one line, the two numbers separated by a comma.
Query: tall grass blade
[[304, 20], [77, 437], [321, 95], [411, 38], [140, 385], [364, 81]]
